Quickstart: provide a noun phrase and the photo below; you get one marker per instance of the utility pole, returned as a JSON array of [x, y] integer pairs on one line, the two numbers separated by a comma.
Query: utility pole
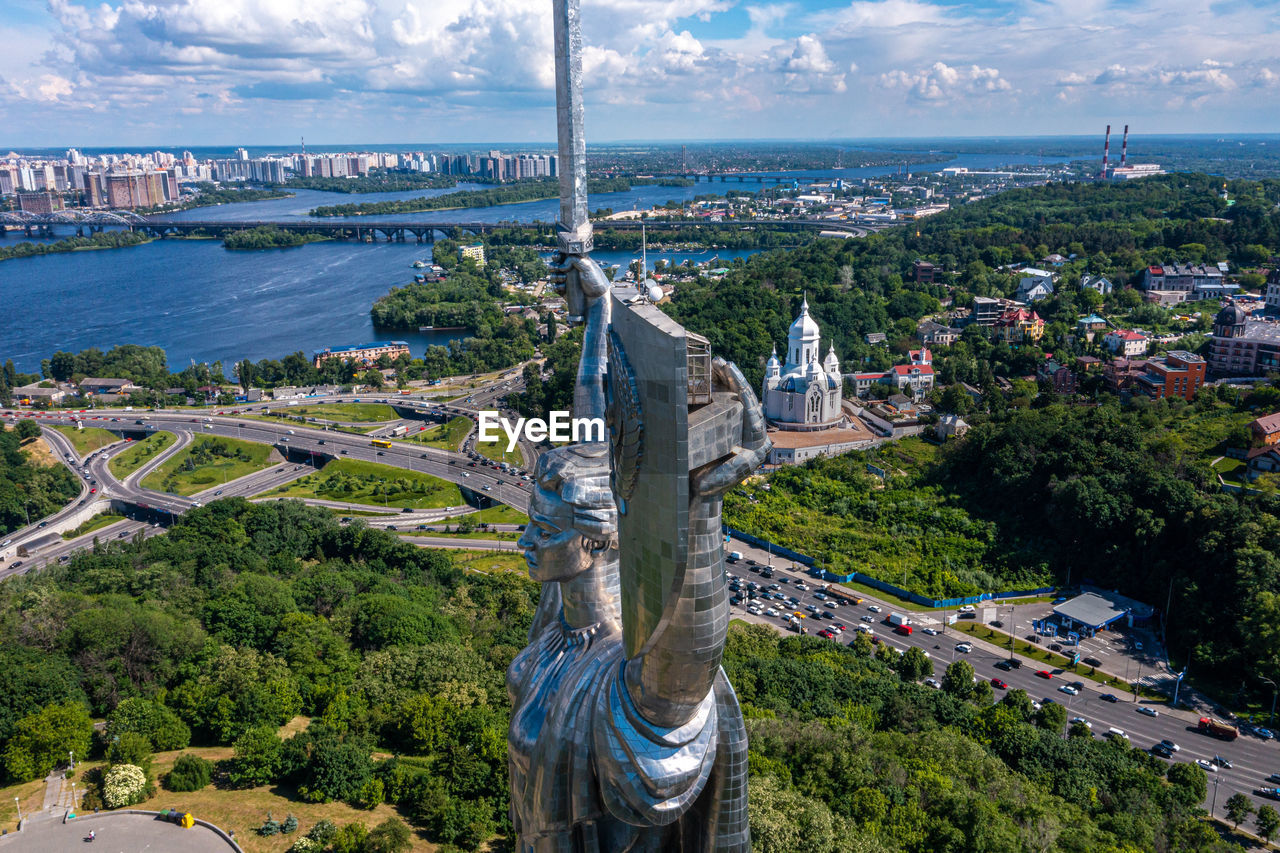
[[1213, 808], [17, 802]]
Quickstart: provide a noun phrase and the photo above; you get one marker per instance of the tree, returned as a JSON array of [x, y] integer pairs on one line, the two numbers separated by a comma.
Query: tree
[[1239, 807], [1190, 783], [41, 741], [246, 372], [373, 378], [1052, 716], [1267, 822], [189, 773], [158, 723], [130, 748], [958, 679], [124, 785], [914, 665], [256, 760], [390, 836], [28, 429]]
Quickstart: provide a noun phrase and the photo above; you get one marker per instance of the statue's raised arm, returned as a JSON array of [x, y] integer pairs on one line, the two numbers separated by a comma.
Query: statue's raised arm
[[674, 674]]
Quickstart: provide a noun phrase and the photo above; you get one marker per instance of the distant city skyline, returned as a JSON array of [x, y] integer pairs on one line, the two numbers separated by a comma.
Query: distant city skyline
[[367, 72]]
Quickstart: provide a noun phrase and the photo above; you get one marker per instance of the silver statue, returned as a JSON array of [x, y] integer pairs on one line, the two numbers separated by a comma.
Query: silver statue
[[625, 734]]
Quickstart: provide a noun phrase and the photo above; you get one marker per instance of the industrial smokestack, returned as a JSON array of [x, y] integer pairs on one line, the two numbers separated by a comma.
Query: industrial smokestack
[[1106, 151], [1124, 146]]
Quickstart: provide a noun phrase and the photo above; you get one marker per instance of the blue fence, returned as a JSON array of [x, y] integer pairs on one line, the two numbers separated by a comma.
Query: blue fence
[[876, 583]]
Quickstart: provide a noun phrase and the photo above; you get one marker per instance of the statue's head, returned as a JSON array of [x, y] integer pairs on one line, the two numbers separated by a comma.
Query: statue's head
[[573, 521]]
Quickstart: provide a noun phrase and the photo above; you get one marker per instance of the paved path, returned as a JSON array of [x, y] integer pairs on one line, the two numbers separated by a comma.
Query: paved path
[[115, 832]]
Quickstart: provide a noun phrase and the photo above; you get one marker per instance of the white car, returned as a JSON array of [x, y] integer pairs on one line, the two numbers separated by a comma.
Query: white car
[[968, 608], [771, 612], [1206, 766], [932, 632], [868, 619], [1068, 689], [865, 630], [964, 647], [875, 608], [753, 609], [1148, 711], [1082, 721], [933, 682], [835, 629]]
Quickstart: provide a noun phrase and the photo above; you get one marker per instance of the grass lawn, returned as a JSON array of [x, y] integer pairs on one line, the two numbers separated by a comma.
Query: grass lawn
[[355, 413], [491, 562], [496, 450], [500, 514], [96, 523], [244, 811], [437, 530], [127, 461], [209, 461], [1232, 470], [444, 436], [88, 439], [360, 482], [30, 795]]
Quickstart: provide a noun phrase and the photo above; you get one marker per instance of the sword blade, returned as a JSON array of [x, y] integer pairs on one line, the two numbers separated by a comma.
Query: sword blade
[[575, 229]]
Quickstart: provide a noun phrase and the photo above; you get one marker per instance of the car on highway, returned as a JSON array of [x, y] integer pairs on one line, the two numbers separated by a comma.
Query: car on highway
[[1265, 734], [1221, 762], [1274, 778], [871, 619], [1093, 662], [1170, 745], [1000, 683], [1108, 697], [932, 632], [1082, 721], [1147, 710], [1068, 689], [771, 612], [934, 683], [874, 608], [964, 648], [1054, 647], [1162, 751], [1206, 766], [1044, 673]]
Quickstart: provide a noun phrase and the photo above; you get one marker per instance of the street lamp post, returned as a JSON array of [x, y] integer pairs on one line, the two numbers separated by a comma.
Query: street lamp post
[[17, 802], [72, 755], [1271, 718], [1213, 808]]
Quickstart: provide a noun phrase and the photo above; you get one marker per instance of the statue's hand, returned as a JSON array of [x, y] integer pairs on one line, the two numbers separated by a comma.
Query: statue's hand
[[754, 447], [584, 269]]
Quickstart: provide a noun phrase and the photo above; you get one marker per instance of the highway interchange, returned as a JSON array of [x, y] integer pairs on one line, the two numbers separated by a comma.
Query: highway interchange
[[307, 447]]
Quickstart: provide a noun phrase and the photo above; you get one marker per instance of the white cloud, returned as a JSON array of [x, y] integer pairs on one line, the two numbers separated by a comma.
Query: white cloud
[[941, 82]]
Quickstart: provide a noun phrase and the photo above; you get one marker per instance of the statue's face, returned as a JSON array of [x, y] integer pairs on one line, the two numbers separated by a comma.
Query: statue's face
[[554, 550]]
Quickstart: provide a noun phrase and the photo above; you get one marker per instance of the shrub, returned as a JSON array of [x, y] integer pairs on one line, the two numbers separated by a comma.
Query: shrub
[[290, 825], [269, 827], [189, 773], [305, 845], [124, 785], [323, 832]]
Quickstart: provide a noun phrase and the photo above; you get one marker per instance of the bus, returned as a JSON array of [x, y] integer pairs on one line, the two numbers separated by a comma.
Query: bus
[[380, 442]]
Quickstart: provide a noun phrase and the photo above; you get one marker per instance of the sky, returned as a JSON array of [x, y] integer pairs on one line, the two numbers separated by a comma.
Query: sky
[[266, 72]]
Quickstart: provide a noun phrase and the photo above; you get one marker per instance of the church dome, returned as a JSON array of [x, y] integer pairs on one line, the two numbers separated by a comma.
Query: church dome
[[804, 328], [1230, 315]]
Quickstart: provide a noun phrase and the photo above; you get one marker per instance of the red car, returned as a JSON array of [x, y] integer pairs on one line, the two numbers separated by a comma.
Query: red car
[[1003, 685], [826, 635], [1044, 673]]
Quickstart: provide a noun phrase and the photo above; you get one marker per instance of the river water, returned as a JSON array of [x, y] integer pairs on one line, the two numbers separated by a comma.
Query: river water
[[201, 302]]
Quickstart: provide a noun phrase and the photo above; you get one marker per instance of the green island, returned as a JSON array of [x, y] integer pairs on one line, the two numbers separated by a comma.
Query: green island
[[208, 462], [98, 522], [211, 195], [348, 683], [33, 483], [521, 191], [359, 482], [269, 237], [124, 463], [497, 451], [87, 440], [101, 240], [447, 436]]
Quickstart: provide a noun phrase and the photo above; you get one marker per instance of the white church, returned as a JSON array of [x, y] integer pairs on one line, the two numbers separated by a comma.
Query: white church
[[805, 394]]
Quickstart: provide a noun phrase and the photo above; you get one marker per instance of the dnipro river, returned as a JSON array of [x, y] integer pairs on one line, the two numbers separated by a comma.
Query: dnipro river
[[201, 302]]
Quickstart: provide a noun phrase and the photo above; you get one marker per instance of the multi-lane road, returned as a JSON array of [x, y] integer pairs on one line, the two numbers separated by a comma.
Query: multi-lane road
[[1252, 758]]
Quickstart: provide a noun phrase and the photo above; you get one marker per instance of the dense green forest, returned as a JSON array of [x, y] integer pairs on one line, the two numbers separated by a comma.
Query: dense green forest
[[268, 237], [378, 181], [29, 491], [101, 240], [521, 191], [212, 194], [245, 615]]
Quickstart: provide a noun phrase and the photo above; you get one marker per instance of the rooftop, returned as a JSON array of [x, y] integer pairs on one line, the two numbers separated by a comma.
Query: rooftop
[[1268, 423], [374, 345], [1092, 609]]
